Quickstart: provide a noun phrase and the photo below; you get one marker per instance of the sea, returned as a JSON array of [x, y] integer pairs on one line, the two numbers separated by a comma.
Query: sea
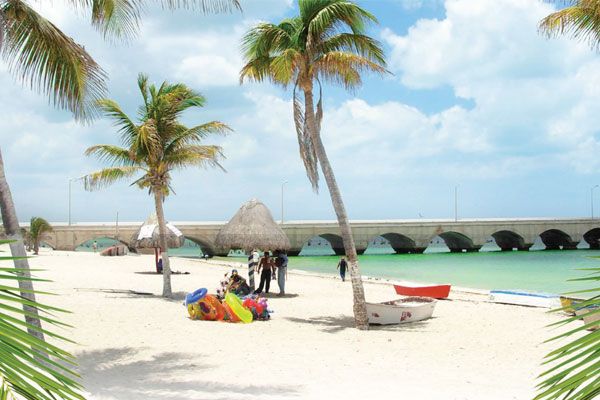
[[538, 270]]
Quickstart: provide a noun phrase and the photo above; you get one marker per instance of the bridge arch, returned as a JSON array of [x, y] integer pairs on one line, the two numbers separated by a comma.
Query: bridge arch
[[555, 239], [103, 243], [206, 246], [592, 237], [508, 240], [334, 240], [457, 242], [402, 244]]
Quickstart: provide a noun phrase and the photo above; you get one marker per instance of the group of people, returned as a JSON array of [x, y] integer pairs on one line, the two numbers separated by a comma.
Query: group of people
[[269, 267]]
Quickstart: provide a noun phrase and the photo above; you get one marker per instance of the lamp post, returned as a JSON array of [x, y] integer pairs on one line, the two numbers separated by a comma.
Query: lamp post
[[456, 203], [282, 185], [592, 199], [71, 180]]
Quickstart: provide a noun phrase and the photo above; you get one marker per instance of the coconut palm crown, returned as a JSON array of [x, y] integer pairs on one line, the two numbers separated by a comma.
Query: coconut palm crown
[[580, 20], [38, 227], [156, 145], [326, 42]]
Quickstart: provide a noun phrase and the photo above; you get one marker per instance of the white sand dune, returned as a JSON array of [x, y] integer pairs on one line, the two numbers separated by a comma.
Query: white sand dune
[[134, 347]]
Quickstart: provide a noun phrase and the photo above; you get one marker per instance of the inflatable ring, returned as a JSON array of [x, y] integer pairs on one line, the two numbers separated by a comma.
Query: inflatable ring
[[231, 317], [194, 311], [236, 306], [218, 307], [194, 297]]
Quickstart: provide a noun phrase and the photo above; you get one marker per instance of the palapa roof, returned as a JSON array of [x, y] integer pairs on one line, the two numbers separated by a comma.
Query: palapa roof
[[148, 235], [252, 227]]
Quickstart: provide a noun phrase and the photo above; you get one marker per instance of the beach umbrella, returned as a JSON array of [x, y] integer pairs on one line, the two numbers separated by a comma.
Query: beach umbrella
[[252, 227], [148, 237]]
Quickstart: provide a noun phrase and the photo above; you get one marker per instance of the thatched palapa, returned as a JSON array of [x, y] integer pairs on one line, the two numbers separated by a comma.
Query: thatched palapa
[[148, 236], [252, 227]]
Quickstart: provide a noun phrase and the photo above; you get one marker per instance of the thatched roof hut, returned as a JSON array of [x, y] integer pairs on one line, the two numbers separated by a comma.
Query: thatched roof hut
[[148, 235], [252, 227]]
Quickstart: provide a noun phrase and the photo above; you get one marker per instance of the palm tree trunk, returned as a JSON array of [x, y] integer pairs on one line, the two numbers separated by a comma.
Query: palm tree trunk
[[162, 230], [36, 247], [360, 307], [17, 249]]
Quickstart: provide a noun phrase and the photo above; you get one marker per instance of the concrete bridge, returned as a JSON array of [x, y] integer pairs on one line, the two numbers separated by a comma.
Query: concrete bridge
[[405, 236]]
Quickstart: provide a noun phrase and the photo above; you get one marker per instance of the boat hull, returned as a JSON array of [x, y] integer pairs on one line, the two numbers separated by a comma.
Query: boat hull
[[435, 291], [589, 315], [401, 311], [522, 298]]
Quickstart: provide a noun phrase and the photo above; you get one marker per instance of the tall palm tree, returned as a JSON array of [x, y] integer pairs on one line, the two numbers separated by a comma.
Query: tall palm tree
[[155, 146], [580, 20], [326, 42], [41, 56], [38, 227]]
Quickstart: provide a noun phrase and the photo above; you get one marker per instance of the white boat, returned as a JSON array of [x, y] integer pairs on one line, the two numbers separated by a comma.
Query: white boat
[[524, 298], [408, 309]]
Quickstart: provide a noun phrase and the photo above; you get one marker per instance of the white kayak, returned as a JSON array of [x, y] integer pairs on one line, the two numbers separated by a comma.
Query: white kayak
[[401, 311], [525, 298]]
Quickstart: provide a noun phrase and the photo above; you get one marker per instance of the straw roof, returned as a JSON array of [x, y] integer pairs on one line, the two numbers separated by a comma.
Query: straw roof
[[148, 235], [252, 227]]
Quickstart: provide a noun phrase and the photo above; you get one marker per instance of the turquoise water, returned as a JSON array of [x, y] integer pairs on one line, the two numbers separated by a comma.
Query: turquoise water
[[536, 270]]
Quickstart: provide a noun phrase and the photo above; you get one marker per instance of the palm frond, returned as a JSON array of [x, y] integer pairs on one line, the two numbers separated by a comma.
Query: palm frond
[[361, 45], [574, 368], [46, 59], [127, 129], [206, 6], [345, 68], [29, 367], [196, 156], [326, 16], [194, 135], [580, 21], [113, 155], [118, 19], [108, 176]]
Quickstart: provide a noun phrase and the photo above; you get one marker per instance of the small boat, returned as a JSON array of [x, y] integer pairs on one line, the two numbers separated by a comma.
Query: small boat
[[401, 311], [435, 291], [589, 315], [524, 298]]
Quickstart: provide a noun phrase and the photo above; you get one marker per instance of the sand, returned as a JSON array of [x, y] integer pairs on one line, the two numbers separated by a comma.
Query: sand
[[145, 347]]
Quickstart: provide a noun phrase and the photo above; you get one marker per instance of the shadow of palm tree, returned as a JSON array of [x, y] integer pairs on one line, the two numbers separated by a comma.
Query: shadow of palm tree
[[335, 324], [114, 373]]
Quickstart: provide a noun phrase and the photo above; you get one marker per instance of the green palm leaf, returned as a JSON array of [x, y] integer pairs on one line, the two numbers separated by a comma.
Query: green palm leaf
[[580, 21], [29, 367]]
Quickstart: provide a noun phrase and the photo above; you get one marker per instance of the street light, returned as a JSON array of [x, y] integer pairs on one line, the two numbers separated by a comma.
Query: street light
[[592, 199], [456, 203], [282, 185], [71, 180]]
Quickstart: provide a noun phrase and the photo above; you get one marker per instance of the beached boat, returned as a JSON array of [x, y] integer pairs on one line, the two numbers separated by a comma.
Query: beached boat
[[409, 309], [569, 304], [435, 291], [524, 298], [589, 315]]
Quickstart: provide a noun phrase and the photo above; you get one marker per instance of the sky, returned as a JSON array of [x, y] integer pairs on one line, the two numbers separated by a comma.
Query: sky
[[476, 101]]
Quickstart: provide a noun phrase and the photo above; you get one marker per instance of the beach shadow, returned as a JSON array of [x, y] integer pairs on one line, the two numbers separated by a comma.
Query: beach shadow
[[115, 373], [336, 324], [276, 296]]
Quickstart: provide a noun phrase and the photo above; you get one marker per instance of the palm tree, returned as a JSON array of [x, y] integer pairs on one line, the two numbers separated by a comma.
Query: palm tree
[[38, 227], [326, 42], [581, 20], [43, 57], [573, 374], [157, 145]]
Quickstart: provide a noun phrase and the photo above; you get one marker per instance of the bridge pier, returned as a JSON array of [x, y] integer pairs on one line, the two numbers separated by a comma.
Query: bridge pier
[[293, 253]]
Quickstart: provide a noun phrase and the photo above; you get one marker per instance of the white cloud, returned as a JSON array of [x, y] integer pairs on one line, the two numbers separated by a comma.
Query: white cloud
[[529, 92]]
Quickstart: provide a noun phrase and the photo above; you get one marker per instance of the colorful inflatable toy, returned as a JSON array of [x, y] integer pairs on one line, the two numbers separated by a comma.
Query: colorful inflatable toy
[[238, 308], [229, 314], [194, 297], [211, 309]]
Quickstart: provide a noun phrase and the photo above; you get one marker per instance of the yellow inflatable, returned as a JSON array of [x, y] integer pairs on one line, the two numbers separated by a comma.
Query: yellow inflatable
[[194, 311], [236, 306]]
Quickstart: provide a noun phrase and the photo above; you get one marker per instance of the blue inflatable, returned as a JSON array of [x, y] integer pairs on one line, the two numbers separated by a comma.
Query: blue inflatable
[[193, 297]]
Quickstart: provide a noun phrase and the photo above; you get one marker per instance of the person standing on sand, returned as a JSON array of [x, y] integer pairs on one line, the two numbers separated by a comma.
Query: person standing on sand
[[282, 272], [342, 265], [95, 246], [266, 266]]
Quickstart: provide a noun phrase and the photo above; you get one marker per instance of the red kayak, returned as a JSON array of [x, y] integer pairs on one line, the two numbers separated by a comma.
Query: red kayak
[[435, 291]]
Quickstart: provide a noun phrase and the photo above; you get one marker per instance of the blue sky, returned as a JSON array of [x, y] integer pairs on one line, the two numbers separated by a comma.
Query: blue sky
[[477, 99]]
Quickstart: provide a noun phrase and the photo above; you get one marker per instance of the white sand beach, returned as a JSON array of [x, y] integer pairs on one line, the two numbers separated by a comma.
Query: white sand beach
[[134, 347]]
